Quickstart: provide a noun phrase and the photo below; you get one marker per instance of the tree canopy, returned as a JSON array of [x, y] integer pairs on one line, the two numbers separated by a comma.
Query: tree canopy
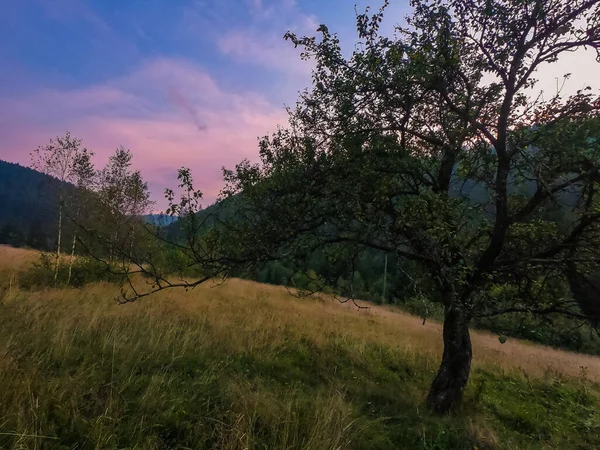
[[384, 149], [432, 146]]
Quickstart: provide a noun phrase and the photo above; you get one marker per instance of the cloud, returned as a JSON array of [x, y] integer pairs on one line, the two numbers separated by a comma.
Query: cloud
[[265, 50], [178, 99], [148, 111], [261, 42], [582, 66]]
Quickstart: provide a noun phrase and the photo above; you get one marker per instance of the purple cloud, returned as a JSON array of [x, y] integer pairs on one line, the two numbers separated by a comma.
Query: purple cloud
[[132, 111]]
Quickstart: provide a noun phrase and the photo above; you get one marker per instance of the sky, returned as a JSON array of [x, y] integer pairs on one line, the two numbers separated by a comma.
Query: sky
[[189, 83]]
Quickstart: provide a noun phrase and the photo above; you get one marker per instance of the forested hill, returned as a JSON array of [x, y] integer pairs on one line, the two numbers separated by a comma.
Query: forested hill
[[28, 202], [159, 219]]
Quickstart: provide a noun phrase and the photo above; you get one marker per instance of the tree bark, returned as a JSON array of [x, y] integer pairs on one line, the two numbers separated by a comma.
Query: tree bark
[[446, 391], [132, 235], [60, 214], [72, 257]]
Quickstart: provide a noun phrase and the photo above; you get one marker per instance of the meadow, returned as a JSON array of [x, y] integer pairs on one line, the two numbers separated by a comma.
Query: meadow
[[242, 365]]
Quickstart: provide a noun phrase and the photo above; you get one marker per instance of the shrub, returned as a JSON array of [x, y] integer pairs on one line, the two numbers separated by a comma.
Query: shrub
[[85, 270]]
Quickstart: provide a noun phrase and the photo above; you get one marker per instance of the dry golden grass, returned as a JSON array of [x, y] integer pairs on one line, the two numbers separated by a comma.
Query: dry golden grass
[[247, 365], [12, 259], [267, 308], [264, 310]]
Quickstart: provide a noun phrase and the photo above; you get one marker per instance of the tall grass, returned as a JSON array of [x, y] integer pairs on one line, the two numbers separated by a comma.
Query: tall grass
[[247, 366]]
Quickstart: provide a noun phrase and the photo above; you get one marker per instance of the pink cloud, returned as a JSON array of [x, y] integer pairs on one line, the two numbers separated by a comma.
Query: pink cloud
[[263, 44], [143, 112], [178, 99], [266, 50], [582, 66]]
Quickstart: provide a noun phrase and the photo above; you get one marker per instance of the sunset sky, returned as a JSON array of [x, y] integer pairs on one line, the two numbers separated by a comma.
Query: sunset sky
[[180, 83]]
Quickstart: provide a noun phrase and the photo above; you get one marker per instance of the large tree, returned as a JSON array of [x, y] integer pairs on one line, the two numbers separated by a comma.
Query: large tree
[[385, 151], [431, 146]]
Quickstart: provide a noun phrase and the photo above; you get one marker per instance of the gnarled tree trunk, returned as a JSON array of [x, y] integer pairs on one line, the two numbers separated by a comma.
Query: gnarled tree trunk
[[446, 391]]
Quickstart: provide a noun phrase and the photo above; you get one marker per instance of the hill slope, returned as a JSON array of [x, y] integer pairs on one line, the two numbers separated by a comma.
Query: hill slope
[[28, 202], [247, 366]]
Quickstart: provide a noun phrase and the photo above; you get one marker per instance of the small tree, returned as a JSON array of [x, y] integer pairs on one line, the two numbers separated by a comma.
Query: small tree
[[389, 147], [123, 197], [84, 178], [59, 159], [187, 254]]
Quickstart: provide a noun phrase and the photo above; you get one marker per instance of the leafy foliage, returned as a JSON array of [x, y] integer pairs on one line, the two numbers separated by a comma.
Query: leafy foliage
[[85, 270], [375, 155]]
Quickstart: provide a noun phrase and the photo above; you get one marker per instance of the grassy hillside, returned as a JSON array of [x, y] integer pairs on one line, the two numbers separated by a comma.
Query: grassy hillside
[[247, 366]]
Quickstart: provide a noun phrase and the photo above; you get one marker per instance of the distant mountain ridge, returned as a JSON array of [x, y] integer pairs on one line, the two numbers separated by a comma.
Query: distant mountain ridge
[[28, 201], [160, 219], [28, 205]]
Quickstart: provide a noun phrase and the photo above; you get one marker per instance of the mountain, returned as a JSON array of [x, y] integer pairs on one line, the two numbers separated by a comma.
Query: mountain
[[28, 201], [207, 217], [160, 219]]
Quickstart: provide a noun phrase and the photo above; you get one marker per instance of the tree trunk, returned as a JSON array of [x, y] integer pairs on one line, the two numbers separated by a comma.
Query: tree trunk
[[72, 257], [60, 213], [132, 235], [446, 391]]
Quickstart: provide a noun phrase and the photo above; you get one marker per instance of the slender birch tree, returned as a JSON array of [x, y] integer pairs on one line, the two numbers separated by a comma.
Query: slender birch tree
[[59, 159]]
